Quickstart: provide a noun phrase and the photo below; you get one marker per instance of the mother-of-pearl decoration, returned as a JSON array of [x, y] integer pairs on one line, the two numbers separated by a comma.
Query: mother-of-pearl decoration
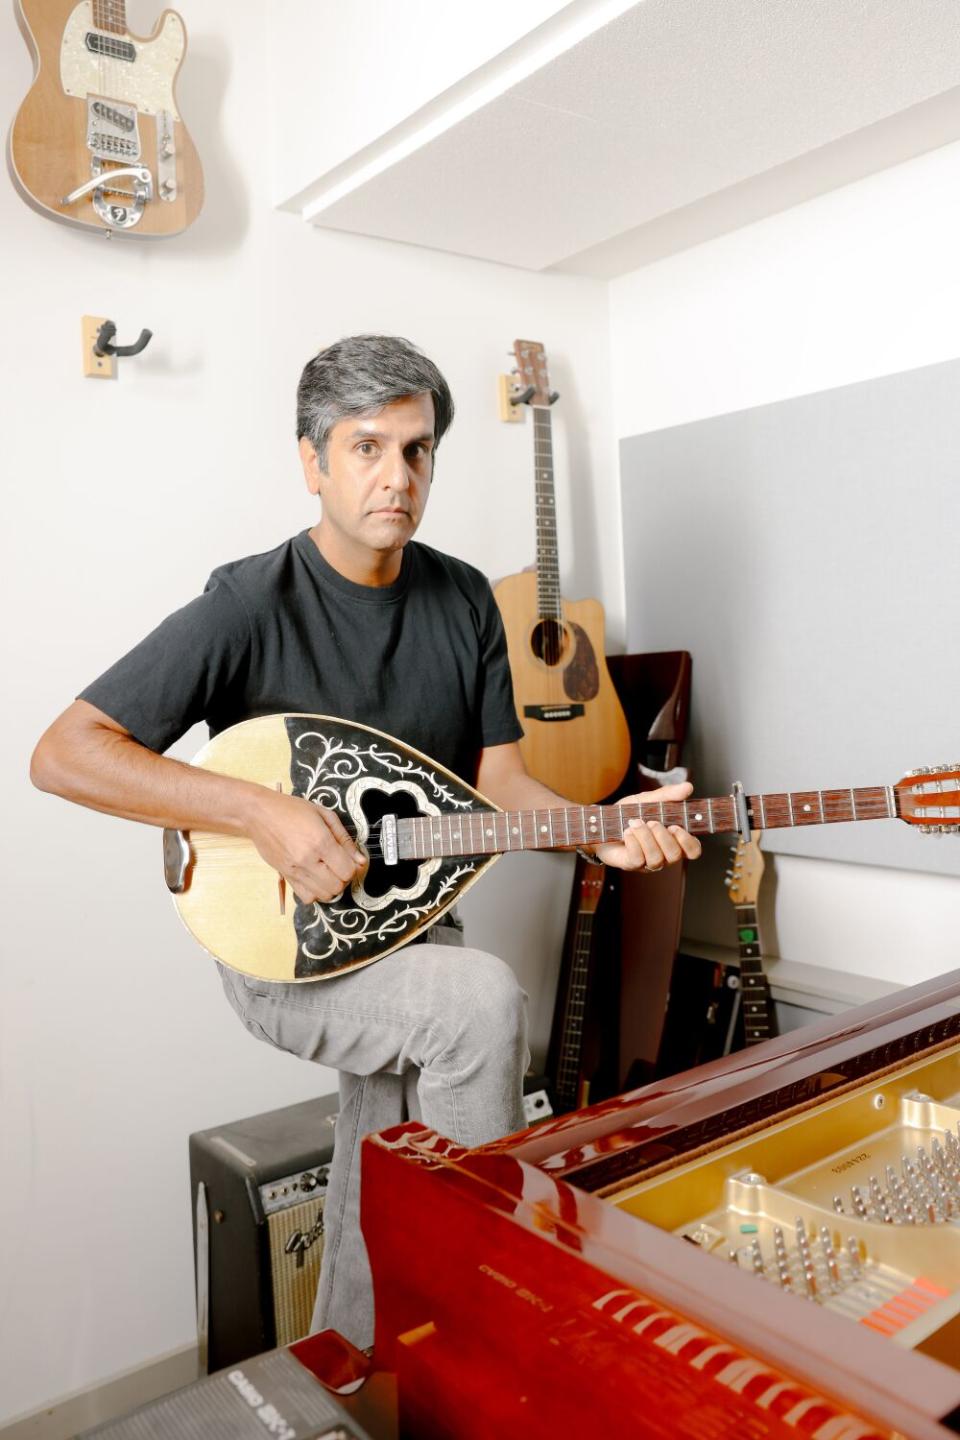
[[146, 82]]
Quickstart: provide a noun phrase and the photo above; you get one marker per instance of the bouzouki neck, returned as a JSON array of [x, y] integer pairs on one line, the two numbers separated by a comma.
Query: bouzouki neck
[[484, 832]]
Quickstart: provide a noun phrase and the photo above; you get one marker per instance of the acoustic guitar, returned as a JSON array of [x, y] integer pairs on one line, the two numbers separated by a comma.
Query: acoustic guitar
[[575, 735], [428, 836], [743, 881], [99, 141]]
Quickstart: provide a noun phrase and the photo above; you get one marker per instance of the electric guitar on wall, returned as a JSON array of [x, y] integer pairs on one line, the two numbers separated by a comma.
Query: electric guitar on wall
[[759, 1021], [429, 836], [575, 733], [98, 141]]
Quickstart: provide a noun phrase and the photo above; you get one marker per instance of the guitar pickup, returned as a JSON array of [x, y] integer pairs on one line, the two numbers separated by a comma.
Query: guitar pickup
[[552, 712]]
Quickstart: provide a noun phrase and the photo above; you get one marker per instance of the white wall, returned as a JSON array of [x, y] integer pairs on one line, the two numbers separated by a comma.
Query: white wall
[[858, 283], [115, 1042]]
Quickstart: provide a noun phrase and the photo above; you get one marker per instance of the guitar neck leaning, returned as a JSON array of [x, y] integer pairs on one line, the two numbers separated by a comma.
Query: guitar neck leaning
[[487, 832], [549, 603]]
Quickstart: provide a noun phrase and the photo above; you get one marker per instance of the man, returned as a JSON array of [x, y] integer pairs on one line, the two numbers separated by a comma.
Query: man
[[350, 619]]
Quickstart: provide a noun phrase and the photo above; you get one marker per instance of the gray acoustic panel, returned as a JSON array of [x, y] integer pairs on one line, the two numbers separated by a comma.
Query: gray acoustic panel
[[807, 553]]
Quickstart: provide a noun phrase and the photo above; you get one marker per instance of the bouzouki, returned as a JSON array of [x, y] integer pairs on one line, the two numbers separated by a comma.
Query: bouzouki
[[98, 141], [429, 836], [575, 736], [759, 1021]]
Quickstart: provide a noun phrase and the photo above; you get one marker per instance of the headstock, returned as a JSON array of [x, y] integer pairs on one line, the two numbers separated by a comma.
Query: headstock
[[744, 875], [930, 799], [591, 888], [533, 379]]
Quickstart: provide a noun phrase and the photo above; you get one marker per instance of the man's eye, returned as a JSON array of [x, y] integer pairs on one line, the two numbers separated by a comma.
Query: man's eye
[[367, 447]]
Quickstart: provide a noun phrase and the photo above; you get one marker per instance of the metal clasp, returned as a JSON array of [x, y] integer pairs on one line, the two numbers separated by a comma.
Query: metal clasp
[[740, 812]]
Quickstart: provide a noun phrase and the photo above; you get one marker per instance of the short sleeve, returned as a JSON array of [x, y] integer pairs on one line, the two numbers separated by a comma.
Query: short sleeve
[[179, 673], [498, 716]]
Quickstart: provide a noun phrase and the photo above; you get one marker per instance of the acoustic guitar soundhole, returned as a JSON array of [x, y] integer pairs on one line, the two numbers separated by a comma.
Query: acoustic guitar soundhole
[[375, 804], [549, 641]]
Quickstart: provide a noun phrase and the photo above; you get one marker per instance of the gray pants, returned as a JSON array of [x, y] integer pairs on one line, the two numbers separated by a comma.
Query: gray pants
[[434, 1031]]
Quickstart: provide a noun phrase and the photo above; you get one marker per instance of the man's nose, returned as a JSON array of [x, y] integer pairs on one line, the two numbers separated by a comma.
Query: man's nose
[[396, 473]]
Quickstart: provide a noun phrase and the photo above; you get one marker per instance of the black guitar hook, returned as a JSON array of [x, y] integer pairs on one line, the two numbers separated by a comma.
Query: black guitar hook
[[104, 342]]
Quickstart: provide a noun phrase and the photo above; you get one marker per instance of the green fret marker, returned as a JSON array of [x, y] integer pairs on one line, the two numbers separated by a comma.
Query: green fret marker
[[748, 936]]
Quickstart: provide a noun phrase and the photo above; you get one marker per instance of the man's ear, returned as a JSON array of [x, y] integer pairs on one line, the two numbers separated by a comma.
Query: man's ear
[[311, 466]]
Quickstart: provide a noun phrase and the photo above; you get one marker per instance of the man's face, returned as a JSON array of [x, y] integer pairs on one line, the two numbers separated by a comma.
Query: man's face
[[376, 483]]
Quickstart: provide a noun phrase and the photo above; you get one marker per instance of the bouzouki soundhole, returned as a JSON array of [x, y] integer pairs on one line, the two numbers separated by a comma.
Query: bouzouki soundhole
[[366, 802], [362, 776]]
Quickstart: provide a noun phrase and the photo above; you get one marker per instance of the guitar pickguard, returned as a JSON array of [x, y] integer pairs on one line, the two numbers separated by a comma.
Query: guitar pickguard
[[146, 81], [341, 767], [581, 678]]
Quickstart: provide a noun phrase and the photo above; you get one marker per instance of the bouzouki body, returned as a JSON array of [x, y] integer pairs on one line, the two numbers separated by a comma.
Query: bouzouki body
[[244, 914], [428, 836], [575, 734], [102, 104]]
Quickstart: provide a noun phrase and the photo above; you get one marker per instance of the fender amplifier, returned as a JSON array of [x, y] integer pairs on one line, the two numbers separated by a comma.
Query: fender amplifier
[[258, 1188]]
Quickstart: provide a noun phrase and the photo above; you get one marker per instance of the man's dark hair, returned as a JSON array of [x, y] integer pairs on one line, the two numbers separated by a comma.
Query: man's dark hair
[[359, 376]]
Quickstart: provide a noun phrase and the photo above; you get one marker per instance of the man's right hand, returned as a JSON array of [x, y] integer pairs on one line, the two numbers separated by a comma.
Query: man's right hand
[[307, 844], [91, 759]]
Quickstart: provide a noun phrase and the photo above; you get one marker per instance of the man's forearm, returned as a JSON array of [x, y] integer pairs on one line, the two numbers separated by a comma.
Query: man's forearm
[[101, 766]]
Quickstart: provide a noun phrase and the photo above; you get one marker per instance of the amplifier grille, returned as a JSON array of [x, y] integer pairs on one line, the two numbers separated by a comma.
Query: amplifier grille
[[294, 1275]]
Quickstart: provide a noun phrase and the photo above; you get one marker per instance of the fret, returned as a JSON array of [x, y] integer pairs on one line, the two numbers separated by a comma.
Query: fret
[[549, 601], [805, 815], [485, 832]]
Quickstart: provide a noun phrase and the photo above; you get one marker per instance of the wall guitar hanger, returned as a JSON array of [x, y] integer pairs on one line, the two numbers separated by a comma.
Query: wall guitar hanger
[[100, 350]]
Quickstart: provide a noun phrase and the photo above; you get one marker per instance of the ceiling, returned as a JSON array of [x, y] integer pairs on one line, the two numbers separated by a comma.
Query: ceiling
[[672, 122]]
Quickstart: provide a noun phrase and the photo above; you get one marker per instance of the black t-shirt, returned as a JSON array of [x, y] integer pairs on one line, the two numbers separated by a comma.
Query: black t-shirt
[[423, 659]]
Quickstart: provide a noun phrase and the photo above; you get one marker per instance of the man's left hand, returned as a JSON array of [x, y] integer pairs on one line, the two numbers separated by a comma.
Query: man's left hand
[[648, 845]]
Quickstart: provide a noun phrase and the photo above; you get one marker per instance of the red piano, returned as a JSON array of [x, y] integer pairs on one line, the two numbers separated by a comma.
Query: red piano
[[766, 1246]]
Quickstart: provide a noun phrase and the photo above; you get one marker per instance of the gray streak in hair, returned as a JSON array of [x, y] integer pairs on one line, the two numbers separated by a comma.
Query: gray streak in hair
[[359, 376]]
